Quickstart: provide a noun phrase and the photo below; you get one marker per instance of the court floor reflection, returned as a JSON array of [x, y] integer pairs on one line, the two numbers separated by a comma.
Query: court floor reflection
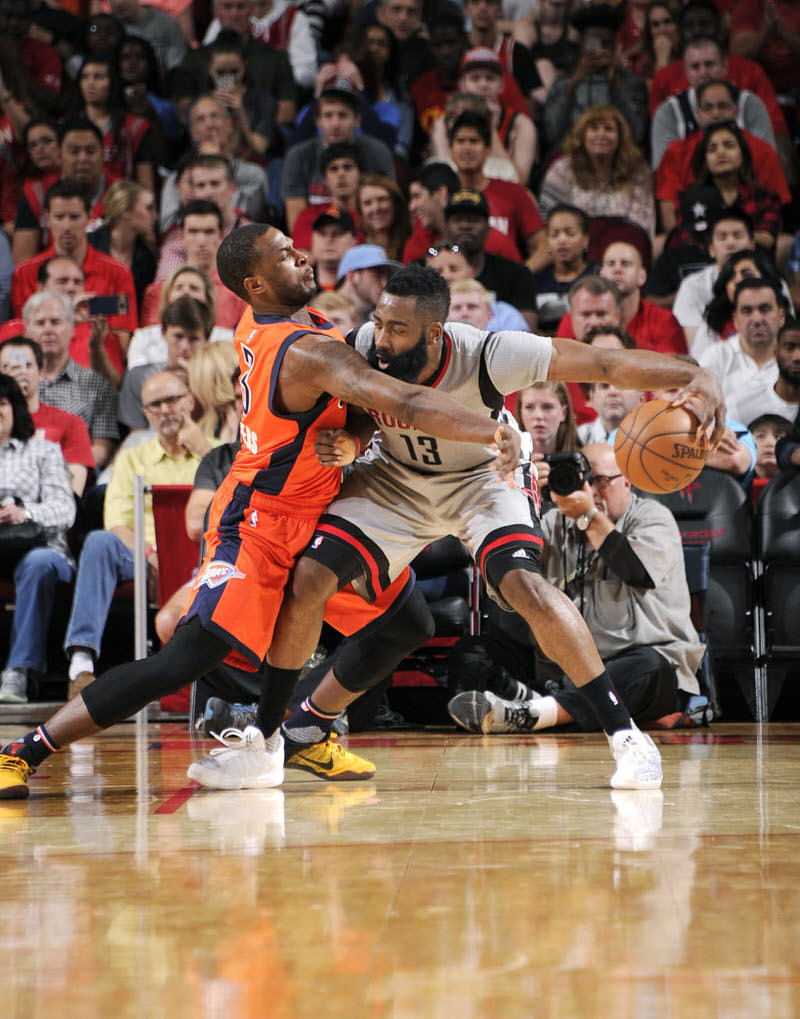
[[488, 876]]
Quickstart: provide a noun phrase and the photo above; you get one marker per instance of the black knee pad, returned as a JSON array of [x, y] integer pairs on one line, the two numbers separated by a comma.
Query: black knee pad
[[513, 551], [368, 656]]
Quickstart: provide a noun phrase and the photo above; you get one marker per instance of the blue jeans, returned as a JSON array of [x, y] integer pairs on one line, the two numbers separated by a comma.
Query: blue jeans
[[35, 579], [105, 562]]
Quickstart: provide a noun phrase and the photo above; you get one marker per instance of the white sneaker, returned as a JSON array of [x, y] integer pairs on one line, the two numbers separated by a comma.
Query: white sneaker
[[242, 762], [14, 686], [638, 760]]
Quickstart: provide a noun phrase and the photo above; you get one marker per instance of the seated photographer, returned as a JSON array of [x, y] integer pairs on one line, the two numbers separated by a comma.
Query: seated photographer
[[619, 557]]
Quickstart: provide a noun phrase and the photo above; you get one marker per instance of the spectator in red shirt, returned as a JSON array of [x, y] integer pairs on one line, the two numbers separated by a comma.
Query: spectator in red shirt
[[512, 209], [92, 345], [593, 301], [723, 169], [716, 104], [201, 233], [127, 143], [431, 90], [428, 195], [41, 167], [341, 171], [652, 328], [768, 31], [332, 234], [41, 60], [67, 207], [81, 159], [21, 357], [702, 19]]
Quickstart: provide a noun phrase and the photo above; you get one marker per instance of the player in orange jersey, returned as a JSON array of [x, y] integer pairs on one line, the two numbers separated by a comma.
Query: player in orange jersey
[[298, 376]]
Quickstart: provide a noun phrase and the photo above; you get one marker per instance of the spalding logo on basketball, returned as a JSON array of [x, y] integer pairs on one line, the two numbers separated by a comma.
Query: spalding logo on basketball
[[656, 448]]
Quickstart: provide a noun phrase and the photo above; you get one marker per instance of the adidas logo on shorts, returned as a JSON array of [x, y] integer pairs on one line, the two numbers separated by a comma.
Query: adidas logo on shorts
[[519, 554]]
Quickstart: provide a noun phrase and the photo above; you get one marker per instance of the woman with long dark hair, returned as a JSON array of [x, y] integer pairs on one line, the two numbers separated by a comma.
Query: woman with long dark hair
[[142, 92], [35, 488], [127, 144], [383, 213], [723, 177], [374, 50], [547, 421]]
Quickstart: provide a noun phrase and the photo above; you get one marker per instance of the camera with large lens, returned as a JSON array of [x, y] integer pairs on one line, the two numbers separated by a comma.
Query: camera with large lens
[[568, 471]]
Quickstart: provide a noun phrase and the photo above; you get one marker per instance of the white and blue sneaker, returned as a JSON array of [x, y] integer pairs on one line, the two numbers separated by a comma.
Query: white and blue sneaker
[[638, 760], [244, 761]]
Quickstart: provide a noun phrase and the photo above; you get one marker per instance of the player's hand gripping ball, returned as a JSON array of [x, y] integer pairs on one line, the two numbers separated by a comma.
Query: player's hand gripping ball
[[657, 447]]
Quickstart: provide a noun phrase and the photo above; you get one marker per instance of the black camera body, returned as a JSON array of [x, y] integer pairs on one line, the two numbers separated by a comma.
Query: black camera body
[[568, 471]]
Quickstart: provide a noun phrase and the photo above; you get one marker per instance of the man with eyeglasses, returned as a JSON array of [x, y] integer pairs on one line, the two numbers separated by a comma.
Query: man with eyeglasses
[[618, 556], [107, 556]]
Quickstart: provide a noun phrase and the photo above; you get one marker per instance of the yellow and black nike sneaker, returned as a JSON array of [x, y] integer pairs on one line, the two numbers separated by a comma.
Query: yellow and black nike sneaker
[[330, 760], [14, 775]]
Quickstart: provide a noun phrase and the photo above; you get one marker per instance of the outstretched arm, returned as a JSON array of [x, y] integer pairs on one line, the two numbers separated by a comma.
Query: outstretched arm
[[313, 366], [645, 370]]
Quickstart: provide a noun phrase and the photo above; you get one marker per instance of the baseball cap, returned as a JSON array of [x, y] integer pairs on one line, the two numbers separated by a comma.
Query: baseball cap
[[467, 201], [340, 217], [481, 56], [365, 256], [700, 208], [342, 88]]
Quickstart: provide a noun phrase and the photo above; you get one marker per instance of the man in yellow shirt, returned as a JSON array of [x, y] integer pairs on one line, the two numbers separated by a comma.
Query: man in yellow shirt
[[170, 457]]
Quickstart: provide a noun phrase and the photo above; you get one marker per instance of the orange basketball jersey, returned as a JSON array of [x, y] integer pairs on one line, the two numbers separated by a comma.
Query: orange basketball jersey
[[277, 454]]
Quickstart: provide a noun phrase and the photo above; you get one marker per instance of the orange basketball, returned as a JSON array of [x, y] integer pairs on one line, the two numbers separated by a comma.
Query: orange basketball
[[656, 448]]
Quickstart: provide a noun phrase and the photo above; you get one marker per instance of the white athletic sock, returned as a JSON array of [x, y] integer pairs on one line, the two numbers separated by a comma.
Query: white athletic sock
[[547, 710], [81, 661]]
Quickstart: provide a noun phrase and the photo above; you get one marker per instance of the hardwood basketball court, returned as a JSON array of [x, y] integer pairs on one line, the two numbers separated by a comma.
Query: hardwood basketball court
[[473, 877]]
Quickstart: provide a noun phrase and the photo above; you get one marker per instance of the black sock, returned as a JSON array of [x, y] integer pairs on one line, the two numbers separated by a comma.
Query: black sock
[[275, 694], [33, 748], [605, 701]]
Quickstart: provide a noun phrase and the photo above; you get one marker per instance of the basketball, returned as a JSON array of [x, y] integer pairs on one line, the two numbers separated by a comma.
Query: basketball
[[656, 448]]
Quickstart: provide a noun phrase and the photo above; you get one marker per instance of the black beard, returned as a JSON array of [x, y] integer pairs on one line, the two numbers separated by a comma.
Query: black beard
[[405, 367], [789, 375]]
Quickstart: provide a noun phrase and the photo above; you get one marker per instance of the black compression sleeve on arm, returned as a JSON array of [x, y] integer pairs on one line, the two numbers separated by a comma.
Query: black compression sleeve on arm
[[617, 553]]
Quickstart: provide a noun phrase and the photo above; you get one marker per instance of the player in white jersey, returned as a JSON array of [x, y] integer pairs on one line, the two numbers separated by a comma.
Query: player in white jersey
[[409, 489]]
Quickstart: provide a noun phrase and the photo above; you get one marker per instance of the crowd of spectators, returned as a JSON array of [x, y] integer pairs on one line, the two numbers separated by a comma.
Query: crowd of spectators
[[625, 174]]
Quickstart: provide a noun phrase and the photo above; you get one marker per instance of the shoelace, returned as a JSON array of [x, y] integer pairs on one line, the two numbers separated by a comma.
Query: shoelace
[[520, 717], [9, 762], [231, 739]]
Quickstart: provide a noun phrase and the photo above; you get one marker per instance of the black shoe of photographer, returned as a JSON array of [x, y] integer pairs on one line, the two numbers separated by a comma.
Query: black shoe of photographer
[[508, 688]]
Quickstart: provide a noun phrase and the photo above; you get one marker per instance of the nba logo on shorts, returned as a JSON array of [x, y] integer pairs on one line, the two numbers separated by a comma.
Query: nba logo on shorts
[[216, 574], [317, 541]]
